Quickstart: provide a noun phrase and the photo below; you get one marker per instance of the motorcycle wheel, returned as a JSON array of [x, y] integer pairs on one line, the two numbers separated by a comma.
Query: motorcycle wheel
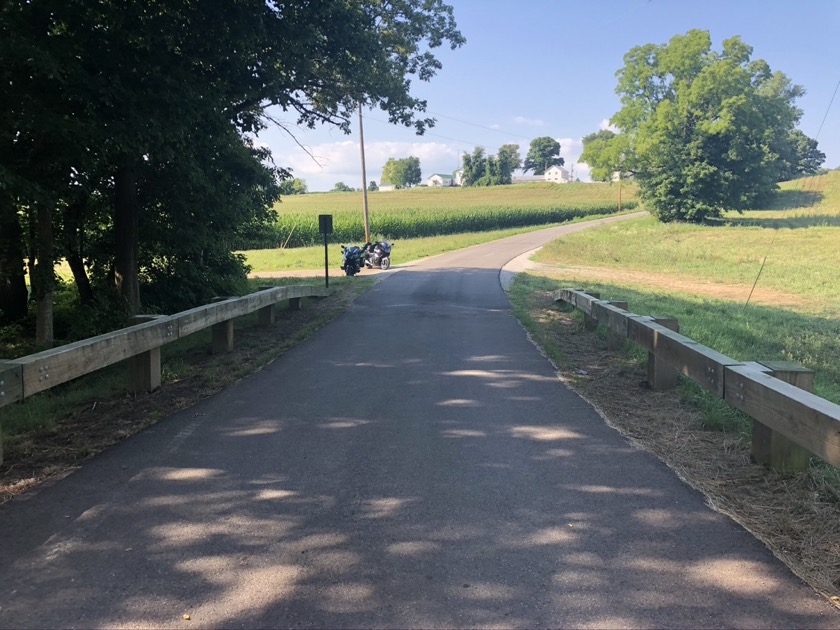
[[385, 263]]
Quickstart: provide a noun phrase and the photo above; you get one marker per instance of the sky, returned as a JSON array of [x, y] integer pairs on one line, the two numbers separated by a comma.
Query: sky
[[538, 68]]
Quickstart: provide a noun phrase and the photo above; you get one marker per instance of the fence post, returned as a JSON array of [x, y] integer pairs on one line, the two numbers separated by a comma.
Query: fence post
[[266, 315], [144, 368], [662, 376], [770, 448], [222, 333], [589, 322], [614, 339]]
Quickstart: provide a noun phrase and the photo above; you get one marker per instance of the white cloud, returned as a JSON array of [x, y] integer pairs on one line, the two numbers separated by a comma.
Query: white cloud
[[341, 161], [531, 122], [605, 124]]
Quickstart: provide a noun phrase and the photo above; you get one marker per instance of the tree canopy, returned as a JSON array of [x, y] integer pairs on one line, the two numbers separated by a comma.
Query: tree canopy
[[402, 173], [543, 153], [126, 127], [702, 131], [481, 169], [294, 186]]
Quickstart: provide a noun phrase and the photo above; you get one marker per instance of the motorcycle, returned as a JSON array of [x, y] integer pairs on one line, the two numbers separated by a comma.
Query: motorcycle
[[353, 259], [378, 255]]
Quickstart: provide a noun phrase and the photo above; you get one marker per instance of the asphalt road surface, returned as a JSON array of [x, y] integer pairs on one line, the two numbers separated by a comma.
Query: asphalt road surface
[[415, 464]]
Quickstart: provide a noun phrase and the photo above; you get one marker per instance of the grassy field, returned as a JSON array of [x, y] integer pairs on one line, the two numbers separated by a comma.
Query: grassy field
[[405, 251], [704, 276], [423, 212]]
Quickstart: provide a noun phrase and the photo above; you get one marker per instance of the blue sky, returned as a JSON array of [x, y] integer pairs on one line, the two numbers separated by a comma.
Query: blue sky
[[543, 68]]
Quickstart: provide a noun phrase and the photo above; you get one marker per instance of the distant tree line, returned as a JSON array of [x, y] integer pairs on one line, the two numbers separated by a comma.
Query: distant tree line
[[481, 169]]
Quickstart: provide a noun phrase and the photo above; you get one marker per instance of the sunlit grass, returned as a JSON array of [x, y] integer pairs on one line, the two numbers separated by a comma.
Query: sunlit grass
[[800, 261], [404, 250]]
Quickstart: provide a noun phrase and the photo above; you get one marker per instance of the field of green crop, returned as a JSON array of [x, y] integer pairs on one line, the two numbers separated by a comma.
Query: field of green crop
[[423, 212]]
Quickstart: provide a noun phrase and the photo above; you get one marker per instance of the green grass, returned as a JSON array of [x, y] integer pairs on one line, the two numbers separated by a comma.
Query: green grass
[[801, 262], [405, 250], [423, 212]]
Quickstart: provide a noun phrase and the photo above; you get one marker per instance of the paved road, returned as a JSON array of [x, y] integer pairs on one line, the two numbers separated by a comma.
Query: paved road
[[415, 464]]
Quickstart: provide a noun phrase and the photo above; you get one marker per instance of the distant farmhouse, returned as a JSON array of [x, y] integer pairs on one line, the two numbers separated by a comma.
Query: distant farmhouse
[[439, 180], [555, 175], [558, 175]]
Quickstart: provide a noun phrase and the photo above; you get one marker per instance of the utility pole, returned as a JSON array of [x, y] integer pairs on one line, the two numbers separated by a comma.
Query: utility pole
[[619, 190], [364, 176]]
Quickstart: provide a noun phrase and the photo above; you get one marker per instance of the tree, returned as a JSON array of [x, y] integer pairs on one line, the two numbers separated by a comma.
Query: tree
[[603, 151], [802, 156], [372, 187], [110, 97], [490, 170], [703, 132], [342, 187], [509, 160], [402, 173], [293, 187], [542, 155], [474, 166]]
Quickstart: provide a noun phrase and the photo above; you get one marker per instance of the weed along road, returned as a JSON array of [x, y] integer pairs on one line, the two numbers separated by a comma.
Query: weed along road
[[416, 463]]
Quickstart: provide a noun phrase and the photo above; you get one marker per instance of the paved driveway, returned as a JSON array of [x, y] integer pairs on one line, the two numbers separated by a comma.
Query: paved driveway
[[414, 464]]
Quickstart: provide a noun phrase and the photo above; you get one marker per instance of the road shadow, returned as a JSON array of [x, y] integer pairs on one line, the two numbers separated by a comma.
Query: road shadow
[[482, 494]]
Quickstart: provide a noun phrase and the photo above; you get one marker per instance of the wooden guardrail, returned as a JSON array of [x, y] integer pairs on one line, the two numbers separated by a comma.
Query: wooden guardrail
[[790, 423], [140, 344]]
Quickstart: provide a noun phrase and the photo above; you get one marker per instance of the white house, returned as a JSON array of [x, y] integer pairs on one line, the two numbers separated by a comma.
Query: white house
[[458, 176], [558, 175], [438, 180]]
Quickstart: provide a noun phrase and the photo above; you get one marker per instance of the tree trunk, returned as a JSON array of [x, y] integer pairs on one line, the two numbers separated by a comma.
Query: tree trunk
[[127, 234], [74, 250], [43, 278], [77, 266], [14, 295]]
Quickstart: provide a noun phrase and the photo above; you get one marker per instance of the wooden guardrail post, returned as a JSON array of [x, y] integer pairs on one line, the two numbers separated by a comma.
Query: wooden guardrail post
[[662, 376], [144, 368], [11, 389], [266, 315], [770, 448], [222, 333], [615, 340], [589, 322]]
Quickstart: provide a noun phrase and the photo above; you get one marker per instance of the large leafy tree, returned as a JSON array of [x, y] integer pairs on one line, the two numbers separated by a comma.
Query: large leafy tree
[[474, 166], [801, 157], [509, 160], [402, 173], [124, 98], [481, 169], [702, 131], [543, 153], [603, 151]]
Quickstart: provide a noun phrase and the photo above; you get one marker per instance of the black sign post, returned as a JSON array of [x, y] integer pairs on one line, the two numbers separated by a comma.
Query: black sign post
[[325, 227]]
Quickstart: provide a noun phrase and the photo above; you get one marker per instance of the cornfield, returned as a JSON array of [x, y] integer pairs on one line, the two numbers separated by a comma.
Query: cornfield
[[423, 212]]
